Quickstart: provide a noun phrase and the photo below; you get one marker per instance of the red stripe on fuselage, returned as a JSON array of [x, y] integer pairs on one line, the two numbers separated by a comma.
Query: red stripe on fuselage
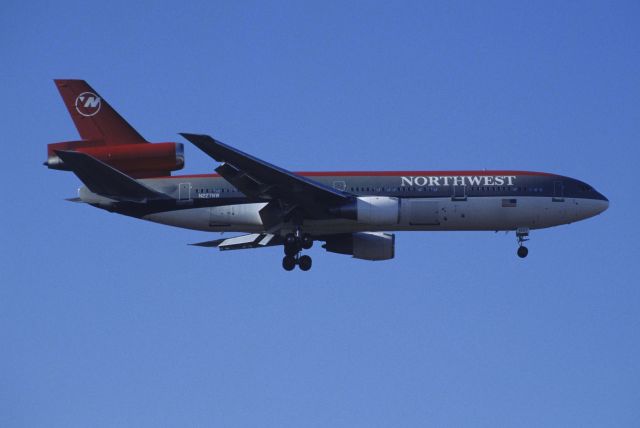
[[390, 174]]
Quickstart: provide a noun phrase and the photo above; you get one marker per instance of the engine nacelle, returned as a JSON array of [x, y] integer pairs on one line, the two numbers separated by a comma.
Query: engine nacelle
[[374, 210], [363, 245], [136, 160]]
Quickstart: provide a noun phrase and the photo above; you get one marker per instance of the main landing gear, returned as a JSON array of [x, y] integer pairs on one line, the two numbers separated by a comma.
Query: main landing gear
[[522, 235], [293, 244]]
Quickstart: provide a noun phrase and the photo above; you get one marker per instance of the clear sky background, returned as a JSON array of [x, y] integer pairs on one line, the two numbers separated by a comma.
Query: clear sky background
[[111, 321]]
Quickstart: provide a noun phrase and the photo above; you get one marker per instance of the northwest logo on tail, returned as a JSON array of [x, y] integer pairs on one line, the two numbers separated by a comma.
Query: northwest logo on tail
[[88, 104]]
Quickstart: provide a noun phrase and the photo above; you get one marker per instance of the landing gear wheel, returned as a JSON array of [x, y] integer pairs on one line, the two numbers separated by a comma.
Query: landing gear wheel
[[522, 252], [288, 263], [304, 262], [306, 241], [522, 235], [291, 250], [290, 240]]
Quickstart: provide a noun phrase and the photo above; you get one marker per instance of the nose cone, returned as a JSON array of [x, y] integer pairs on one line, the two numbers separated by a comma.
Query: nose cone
[[601, 205], [591, 207]]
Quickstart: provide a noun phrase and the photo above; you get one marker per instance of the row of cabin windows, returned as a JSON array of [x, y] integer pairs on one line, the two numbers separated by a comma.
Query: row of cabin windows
[[405, 189], [395, 189], [437, 189], [203, 190], [505, 188]]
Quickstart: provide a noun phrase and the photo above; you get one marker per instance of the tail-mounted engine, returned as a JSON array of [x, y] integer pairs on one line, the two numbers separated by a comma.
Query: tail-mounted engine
[[136, 160]]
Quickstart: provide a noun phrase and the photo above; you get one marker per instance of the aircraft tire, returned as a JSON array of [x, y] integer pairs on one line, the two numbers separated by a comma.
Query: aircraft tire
[[305, 263], [290, 239], [291, 250], [288, 263], [307, 241], [522, 252]]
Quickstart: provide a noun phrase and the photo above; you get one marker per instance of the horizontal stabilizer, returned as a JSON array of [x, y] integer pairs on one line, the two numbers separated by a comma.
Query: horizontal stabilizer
[[254, 240], [105, 180]]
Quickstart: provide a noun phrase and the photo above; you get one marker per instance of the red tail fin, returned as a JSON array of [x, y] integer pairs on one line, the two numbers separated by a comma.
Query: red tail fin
[[94, 118], [107, 137]]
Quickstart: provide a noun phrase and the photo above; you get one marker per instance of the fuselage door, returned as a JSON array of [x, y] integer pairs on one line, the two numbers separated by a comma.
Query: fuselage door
[[184, 191], [423, 212], [558, 191], [459, 193], [340, 185]]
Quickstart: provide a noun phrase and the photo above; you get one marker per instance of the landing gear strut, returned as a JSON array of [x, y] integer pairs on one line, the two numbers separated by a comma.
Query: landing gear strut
[[522, 235], [293, 244]]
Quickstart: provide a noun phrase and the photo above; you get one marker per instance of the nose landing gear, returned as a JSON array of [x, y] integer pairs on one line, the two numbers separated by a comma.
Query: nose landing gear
[[522, 235], [522, 252], [293, 244]]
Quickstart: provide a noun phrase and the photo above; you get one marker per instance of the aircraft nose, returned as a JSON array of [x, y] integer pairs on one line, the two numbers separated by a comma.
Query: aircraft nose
[[591, 207], [602, 205], [596, 206]]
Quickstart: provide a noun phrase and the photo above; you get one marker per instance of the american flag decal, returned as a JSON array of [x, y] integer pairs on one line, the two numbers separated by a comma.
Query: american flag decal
[[509, 203]]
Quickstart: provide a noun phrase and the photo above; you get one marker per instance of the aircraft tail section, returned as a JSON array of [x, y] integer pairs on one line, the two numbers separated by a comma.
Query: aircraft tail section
[[94, 118], [106, 136]]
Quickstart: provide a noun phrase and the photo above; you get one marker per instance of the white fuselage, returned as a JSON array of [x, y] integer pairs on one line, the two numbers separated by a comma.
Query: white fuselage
[[415, 214]]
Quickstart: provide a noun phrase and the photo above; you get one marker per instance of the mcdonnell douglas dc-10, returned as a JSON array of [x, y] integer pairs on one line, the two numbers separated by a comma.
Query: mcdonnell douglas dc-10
[[351, 212]]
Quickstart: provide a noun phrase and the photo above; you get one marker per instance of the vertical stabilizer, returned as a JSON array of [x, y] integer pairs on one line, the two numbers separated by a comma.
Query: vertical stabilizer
[[94, 118], [107, 137]]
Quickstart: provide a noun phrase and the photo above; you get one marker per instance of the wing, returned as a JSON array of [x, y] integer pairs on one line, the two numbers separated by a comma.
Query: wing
[[261, 180]]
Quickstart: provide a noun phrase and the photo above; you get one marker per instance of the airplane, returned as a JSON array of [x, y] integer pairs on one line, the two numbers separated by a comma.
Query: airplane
[[351, 212]]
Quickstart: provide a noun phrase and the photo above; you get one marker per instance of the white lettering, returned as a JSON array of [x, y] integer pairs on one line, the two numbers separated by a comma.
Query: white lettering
[[474, 181], [420, 181], [459, 180], [408, 181]]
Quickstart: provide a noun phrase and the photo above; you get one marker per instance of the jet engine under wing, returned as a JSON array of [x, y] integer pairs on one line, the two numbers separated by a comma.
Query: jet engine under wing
[[260, 179]]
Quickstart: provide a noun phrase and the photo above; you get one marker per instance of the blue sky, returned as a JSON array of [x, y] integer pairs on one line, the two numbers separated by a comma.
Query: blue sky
[[110, 321]]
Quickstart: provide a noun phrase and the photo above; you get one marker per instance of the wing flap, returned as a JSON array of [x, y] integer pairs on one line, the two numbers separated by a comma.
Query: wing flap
[[242, 242]]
